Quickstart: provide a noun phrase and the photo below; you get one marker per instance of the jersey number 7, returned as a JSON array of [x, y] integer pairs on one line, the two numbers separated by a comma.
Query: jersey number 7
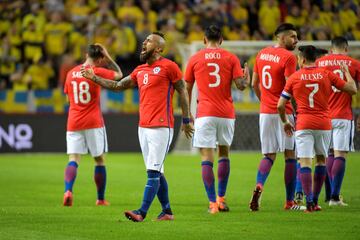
[[311, 95]]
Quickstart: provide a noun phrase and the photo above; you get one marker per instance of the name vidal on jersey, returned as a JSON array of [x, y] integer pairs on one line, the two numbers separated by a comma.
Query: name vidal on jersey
[[325, 63], [212, 55], [312, 76], [76, 75], [270, 57]]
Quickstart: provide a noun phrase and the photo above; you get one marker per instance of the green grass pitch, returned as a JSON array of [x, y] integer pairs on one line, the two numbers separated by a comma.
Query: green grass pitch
[[31, 187]]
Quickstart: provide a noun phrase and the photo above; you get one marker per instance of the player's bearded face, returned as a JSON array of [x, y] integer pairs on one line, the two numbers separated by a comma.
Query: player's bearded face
[[146, 53], [291, 40]]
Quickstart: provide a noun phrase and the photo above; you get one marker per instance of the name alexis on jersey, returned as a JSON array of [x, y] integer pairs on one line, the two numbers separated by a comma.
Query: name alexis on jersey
[[325, 63], [311, 76], [270, 57]]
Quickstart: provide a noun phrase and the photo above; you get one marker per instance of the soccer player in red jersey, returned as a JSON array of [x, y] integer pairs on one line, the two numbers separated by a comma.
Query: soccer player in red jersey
[[214, 70], [85, 126], [156, 80], [273, 65], [311, 87], [341, 116]]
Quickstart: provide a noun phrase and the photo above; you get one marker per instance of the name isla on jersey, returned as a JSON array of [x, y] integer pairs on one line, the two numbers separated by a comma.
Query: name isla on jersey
[[213, 55], [270, 57], [312, 76], [325, 63]]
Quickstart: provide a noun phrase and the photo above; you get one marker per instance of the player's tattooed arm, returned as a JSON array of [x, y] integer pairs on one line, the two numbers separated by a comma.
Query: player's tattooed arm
[[123, 84], [243, 82], [187, 126], [255, 85], [112, 65], [189, 88]]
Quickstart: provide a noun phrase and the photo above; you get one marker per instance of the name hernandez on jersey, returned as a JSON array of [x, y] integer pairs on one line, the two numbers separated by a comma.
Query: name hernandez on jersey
[[340, 102]]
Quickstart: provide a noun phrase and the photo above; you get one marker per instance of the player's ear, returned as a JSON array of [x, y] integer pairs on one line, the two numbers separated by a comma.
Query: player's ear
[[160, 49], [205, 41], [221, 40]]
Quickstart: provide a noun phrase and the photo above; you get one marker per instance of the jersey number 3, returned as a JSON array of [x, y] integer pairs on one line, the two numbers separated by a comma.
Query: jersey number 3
[[215, 73], [81, 92]]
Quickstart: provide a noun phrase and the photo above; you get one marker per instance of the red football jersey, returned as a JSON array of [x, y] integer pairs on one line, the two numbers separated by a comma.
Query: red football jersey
[[84, 97], [272, 65], [156, 90], [311, 88], [340, 102], [214, 69]]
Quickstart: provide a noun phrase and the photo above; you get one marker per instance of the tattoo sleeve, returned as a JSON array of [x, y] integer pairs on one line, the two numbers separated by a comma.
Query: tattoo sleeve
[[184, 98], [112, 65], [241, 83], [123, 84]]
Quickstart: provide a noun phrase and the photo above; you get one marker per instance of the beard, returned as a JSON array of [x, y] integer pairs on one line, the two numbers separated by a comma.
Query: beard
[[145, 56], [290, 47]]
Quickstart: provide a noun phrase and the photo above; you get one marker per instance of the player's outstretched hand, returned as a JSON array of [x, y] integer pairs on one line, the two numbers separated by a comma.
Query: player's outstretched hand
[[87, 72], [103, 50], [188, 130], [289, 129]]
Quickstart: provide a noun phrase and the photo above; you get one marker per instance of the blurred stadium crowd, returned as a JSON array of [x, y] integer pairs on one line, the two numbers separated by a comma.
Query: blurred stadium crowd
[[42, 40]]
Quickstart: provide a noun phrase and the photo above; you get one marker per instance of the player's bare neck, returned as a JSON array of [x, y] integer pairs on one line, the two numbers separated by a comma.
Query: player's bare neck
[[338, 51], [279, 45], [153, 59], [308, 65], [89, 61], [212, 45]]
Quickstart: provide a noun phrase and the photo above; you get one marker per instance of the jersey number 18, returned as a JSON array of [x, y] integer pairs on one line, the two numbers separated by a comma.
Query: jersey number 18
[[81, 92]]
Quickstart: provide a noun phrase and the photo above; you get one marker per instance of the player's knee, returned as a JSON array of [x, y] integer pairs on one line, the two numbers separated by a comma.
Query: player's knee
[[99, 160], [74, 158], [207, 154], [272, 156], [223, 151], [289, 154]]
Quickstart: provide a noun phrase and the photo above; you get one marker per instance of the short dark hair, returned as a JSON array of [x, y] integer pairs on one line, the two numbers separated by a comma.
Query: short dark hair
[[213, 33], [159, 34], [284, 27], [309, 52], [339, 42], [321, 52], [94, 51]]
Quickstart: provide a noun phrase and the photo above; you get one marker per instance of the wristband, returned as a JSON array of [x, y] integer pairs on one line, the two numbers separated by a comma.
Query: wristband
[[186, 120]]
